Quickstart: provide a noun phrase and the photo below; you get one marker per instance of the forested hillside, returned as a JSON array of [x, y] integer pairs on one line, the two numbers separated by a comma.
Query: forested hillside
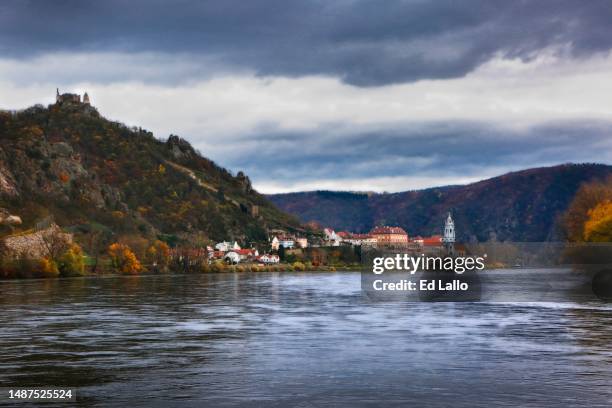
[[519, 206], [91, 175]]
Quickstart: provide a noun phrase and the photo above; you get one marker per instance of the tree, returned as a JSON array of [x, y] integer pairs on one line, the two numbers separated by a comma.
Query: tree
[[123, 259], [72, 262], [158, 254], [48, 268], [55, 242], [598, 227], [97, 240], [588, 196], [281, 253]]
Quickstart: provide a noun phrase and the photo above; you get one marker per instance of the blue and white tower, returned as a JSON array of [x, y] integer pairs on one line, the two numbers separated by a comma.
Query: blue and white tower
[[449, 234]]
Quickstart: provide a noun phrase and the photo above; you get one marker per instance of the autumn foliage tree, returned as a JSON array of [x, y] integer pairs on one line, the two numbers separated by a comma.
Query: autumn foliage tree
[[598, 227], [48, 268], [158, 254], [123, 259], [582, 210], [72, 262]]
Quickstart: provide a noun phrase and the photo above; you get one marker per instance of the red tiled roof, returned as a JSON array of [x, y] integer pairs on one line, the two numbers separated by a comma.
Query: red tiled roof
[[388, 230], [433, 240]]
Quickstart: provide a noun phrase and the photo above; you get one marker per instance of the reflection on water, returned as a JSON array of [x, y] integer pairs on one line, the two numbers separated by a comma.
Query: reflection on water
[[308, 340]]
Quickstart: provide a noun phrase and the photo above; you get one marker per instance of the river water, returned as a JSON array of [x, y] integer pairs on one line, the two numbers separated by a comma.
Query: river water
[[296, 339]]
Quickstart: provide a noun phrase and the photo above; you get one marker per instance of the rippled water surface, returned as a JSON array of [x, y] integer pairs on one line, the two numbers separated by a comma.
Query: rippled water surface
[[306, 340]]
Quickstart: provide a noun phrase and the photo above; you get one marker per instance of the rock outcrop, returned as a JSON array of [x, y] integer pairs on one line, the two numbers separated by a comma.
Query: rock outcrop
[[35, 245]]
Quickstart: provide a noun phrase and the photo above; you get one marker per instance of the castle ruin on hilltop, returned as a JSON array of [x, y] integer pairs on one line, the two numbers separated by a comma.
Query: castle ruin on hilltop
[[70, 98]]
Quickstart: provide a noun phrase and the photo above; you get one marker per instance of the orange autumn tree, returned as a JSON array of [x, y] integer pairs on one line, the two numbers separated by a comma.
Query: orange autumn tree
[[598, 227], [159, 254], [48, 268], [588, 197], [123, 259]]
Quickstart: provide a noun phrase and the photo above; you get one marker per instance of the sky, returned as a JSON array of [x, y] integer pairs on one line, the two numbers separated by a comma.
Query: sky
[[362, 95]]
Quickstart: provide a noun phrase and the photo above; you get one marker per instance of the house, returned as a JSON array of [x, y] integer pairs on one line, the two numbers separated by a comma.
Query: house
[[302, 242], [227, 246], [246, 254], [275, 243], [268, 259], [223, 246], [390, 236], [433, 241], [213, 255], [231, 257], [331, 238], [360, 240], [287, 242]]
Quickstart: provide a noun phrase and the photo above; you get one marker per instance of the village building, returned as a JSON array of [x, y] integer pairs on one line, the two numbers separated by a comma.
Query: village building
[[275, 244], [287, 242], [227, 246], [269, 259], [390, 236], [246, 254], [232, 257], [302, 242], [433, 241], [358, 239], [214, 255], [331, 238]]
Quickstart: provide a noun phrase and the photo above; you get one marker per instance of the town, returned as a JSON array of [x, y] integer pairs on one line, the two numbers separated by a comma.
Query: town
[[283, 245]]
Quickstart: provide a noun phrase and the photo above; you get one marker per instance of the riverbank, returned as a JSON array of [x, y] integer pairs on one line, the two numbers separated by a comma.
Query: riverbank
[[214, 268]]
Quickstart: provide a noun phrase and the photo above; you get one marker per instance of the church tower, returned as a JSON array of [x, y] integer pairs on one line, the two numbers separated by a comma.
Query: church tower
[[86, 99], [58, 98], [449, 233]]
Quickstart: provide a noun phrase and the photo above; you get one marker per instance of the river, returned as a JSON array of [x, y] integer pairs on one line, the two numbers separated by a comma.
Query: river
[[296, 339]]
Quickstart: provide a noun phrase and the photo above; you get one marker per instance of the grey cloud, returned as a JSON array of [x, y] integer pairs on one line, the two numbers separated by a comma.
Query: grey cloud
[[365, 43], [442, 149]]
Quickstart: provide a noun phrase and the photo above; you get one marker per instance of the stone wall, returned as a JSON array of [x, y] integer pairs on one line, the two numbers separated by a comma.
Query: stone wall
[[34, 245]]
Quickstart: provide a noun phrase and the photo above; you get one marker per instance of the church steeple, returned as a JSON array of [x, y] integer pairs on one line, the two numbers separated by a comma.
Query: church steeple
[[57, 95], [449, 234], [449, 229]]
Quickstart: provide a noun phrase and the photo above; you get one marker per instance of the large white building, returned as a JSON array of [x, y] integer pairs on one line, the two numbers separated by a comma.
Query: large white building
[[331, 238]]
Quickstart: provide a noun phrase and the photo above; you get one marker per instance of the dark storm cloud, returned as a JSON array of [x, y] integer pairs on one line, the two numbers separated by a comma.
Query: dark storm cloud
[[363, 42], [442, 149]]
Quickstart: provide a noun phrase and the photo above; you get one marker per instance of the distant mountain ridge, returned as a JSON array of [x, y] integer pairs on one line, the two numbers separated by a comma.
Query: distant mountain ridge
[[518, 206]]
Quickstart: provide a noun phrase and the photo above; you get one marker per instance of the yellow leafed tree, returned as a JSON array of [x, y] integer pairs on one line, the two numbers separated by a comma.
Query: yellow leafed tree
[[159, 254], [598, 227], [72, 262]]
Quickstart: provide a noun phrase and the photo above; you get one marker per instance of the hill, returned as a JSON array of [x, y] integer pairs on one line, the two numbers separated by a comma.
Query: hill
[[518, 206], [69, 163]]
